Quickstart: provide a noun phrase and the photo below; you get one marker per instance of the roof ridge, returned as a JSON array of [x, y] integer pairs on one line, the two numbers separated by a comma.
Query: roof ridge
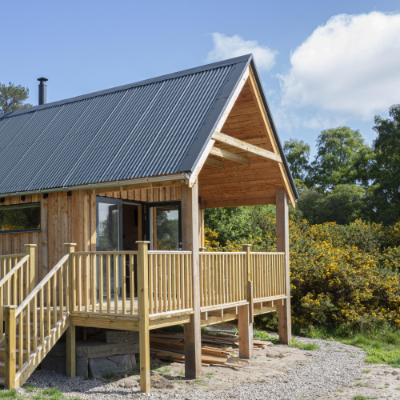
[[218, 64]]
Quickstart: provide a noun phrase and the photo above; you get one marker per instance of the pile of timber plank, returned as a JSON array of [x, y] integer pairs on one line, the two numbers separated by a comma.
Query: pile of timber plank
[[171, 347]]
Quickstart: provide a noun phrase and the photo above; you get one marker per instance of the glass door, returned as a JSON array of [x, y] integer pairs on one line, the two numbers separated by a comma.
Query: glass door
[[164, 226], [109, 235]]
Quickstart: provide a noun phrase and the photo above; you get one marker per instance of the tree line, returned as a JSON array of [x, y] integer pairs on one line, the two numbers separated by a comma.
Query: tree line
[[348, 179]]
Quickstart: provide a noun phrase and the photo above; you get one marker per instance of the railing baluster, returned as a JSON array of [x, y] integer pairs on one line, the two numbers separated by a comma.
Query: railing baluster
[[28, 333], [35, 322], [116, 283], [79, 280], [54, 278], [155, 281], [41, 316], [132, 282], [178, 282], [101, 272], [151, 279], [48, 308], [86, 282], [61, 291], [21, 342], [173, 259], [94, 283], [108, 282], [123, 277]]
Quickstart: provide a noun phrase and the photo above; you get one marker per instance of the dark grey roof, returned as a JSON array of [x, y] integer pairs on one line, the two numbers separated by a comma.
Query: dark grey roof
[[154, 127]]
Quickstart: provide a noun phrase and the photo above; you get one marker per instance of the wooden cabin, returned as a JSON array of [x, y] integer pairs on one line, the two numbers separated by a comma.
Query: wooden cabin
[[101, 214]]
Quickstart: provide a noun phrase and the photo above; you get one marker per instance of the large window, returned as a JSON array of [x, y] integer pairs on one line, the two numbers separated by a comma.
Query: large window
[[20, 218]]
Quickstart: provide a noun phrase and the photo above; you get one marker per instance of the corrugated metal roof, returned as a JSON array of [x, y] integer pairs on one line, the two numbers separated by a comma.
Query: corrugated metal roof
[[139, 130], [155, 127]]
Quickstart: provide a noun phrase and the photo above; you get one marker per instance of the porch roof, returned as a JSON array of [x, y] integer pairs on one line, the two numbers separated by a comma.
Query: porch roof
[[155, 127]]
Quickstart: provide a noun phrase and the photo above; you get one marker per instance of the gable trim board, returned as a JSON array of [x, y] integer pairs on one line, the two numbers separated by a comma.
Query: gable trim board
[[180, 151]]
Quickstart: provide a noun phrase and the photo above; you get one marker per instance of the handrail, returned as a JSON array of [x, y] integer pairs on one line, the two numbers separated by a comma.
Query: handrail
[[41, 284], [267, 252], [12, 255], [166, 252], [105, 252], [9, 275]]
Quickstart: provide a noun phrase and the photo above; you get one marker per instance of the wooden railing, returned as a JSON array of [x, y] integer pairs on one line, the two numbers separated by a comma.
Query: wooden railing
[[17, 273], [105, 282], [170, 281], [223, 278], [32, 323], [268, 272], [7, 263]]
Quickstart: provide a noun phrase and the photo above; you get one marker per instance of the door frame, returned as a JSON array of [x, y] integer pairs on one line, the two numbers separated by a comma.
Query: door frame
[[147, 219], [109, 200]]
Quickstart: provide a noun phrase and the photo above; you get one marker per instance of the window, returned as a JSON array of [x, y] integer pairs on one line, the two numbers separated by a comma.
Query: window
[[20, 218]]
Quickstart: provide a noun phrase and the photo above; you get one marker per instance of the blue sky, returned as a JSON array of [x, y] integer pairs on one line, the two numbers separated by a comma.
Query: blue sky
[[322, 63]]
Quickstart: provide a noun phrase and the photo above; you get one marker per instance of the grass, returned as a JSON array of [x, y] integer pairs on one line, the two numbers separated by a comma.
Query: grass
[[304, 346], [381, 345], [210, 374], [110, 375], [10, 394]]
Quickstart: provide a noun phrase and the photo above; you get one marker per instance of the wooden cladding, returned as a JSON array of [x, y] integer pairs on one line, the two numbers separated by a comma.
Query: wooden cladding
[[171, 193]]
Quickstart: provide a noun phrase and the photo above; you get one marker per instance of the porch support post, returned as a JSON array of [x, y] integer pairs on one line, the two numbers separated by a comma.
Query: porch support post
[[190, 241], [282, 240], [245, 313], [143, 311]]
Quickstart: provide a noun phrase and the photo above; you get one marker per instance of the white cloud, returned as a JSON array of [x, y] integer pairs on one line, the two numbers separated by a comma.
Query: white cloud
[[350, 65], [234, 46]]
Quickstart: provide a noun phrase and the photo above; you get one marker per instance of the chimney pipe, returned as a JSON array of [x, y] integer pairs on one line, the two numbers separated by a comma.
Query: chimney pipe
[[42, 91]]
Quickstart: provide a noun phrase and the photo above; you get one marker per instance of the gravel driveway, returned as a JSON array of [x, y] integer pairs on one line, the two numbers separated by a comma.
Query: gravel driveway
[[294, 374]]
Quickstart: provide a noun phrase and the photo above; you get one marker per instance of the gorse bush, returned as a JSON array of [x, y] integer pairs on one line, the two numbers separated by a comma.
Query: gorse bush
[[343, 277]]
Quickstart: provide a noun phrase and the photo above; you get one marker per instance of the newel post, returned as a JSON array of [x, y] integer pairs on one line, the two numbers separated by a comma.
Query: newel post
[[31, 251], [282, 244], [71, 290], [246, 314], [10, 346], [143, 311]]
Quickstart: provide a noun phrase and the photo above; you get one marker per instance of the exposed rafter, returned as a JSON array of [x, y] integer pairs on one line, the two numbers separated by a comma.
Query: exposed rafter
[[227, 155], [214, 163], [221, 137]]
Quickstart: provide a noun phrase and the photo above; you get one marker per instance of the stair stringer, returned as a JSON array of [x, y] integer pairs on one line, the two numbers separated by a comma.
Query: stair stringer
[[42, 350]]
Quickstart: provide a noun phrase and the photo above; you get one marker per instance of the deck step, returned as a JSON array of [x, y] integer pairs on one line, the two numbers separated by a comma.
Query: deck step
[[3, 368]]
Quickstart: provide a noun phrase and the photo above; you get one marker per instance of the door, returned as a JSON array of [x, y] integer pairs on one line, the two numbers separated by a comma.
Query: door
[[165, 226], [109, 235]]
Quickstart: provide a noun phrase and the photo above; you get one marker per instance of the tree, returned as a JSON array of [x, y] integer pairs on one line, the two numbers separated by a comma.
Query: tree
[[338, 151], [385, 169], [12, 98], [297, 154], [343, 205]]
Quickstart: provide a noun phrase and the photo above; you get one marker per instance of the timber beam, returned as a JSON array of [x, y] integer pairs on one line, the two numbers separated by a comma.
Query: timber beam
[[240, 144], [245, 201], [214, 163], [227, 155], [150, 185]]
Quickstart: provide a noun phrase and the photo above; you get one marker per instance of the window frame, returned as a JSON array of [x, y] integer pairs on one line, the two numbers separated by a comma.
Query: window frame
[[24, 205]]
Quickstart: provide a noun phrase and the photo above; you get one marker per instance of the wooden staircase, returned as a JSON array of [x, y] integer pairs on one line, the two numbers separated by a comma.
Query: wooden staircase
[[34, 322]]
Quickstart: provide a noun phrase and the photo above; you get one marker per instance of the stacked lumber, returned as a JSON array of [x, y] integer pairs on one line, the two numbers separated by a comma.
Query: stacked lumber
[[171, 347], [174, 350]]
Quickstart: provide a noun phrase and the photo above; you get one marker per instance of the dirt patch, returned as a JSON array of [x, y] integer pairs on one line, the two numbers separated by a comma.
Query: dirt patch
[[277, 360], [375, 382]]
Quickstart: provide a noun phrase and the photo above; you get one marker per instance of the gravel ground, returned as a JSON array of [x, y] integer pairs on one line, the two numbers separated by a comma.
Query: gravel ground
[[334, 365]]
